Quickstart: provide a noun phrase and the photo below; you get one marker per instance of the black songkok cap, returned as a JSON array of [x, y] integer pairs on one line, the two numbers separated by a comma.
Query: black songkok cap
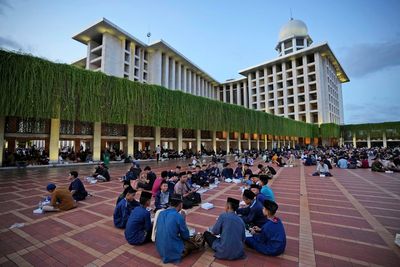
[[255, 186], [248, 194], [233, 201], [177, 198], [146, 195]]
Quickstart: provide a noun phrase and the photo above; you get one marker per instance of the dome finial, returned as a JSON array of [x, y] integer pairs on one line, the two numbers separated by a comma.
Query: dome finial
[[291, 15]]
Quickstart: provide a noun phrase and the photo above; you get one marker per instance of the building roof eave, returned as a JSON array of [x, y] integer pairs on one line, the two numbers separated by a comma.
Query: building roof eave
[[102, 26]]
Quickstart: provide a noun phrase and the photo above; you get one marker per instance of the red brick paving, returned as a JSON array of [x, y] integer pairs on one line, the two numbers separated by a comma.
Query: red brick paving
[[341, 235]]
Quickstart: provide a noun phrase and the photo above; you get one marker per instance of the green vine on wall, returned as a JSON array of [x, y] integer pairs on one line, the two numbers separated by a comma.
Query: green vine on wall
[[36, 88]]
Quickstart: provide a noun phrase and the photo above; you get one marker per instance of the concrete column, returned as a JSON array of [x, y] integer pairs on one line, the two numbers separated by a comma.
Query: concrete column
[[155, 69], [166, 71], [249, 142], [265, 141], [178, 82], [369, 140], [189, 82], [228, 147], [132, 70], [279, 142], [198, 140], [354, 140], [239, 142], [258, 142], [196, 84], [239, 94], [341, 141], [54, 139], [96, 141], [245, 92], [172, 75], [384, 139], [224, 94], [179, 137], [214, 140], [2, 141], [157, 137], [184, 85], [193, 83], [202, 92], [130, 138]]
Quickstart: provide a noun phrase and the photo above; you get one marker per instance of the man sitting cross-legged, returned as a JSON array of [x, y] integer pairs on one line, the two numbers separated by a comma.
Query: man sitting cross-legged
[[172, 233], [270, 239], [61, 199], [138, 228], [232, 231]]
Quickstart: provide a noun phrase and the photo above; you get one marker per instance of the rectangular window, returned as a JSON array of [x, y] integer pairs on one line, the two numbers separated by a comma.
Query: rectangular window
[[300, 41]]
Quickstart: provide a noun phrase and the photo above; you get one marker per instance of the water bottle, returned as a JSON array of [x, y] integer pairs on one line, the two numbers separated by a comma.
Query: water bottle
[[40, 204]]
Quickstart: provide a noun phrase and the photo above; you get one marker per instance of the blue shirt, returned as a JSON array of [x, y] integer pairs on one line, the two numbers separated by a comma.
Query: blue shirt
[[227, 173], [238, 172], [271, 240], [232, 230], [267, 192], [138, 226], [162, 200], [171, 231], [253, 214], [80, 191], [261, 198], [122, 212], [342, 163]]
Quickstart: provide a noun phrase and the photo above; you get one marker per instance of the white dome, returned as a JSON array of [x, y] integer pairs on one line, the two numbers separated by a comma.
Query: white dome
[[295, 28]]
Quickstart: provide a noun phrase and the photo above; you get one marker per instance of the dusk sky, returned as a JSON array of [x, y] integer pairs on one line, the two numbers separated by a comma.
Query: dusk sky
[[225, 36]]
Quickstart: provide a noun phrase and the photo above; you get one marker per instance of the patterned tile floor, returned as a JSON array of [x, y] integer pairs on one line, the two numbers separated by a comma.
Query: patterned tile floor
[[347, 220]]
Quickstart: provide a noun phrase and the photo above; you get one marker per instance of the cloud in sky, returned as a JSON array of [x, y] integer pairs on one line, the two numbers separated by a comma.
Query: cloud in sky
[[4, 4], [363, 59], [374, 111]]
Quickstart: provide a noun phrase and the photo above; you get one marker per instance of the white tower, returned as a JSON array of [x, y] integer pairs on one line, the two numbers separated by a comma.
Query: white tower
[[293, 36]]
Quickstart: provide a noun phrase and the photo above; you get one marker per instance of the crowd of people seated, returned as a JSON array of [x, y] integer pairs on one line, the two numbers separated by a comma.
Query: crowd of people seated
[[250, 221], [175, 191], [377, 159], [26, 156]]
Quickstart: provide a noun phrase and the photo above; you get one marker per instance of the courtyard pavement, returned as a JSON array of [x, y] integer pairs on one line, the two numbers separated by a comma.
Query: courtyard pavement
[[348, 220]]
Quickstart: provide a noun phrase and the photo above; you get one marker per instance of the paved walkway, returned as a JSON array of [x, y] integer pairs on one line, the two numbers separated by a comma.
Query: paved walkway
[[348, 220]]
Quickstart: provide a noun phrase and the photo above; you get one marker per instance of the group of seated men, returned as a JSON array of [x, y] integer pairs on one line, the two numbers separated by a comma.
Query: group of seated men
[[227, 237]]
